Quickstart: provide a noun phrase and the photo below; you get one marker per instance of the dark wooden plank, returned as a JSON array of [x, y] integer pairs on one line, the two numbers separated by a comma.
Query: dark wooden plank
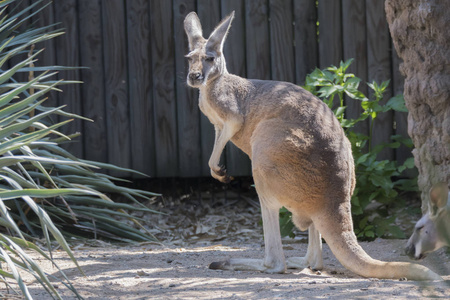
[[12, 10], [188, 113], [142, 136], [116, 94], [305, 36], [379, 68], [282, 40], [237, 162], [257, 39], [209, 14], [67, 54], [92, 90], [163, 53], [355, 46], [330, 33], [45, 18]]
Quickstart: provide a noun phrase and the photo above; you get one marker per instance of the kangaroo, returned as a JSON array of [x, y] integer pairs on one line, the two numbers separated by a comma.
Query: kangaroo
[[301, 159], [432, 231]]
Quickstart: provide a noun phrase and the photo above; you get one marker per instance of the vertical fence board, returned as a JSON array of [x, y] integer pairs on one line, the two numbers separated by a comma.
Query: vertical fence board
[[92, 91], [355, 46], [12, 10], [189, 147], [163, 88], [68, 55], [209, 14], [305, 37], [47, 58], [257, 41], [237, 162], [116, 94], [282, 40], [140, 87], [330, 33], [379, 67]]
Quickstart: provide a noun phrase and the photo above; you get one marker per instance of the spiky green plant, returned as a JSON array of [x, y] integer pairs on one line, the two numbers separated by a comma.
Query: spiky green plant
[[46, 192]]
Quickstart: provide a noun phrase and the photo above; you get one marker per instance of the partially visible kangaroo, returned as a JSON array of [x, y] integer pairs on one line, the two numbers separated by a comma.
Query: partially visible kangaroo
[[432, 231], [301, 159]]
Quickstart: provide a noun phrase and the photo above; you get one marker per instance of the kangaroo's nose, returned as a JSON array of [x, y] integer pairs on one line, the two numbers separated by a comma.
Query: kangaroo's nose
[[195, 75]]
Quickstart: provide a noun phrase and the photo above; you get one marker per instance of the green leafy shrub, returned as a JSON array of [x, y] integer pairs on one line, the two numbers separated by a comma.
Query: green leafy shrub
[[376, 180], [45, 192]]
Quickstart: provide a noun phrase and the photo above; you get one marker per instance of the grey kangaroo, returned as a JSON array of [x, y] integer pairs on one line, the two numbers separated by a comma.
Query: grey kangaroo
[[432, 231], [301, 159]]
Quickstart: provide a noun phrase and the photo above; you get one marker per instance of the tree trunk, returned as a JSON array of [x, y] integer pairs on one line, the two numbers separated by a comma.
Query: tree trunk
[[421, 37]]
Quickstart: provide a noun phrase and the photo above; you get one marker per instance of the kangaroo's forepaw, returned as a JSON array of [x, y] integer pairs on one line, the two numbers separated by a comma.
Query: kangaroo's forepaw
[[221, 174], [222, 171]]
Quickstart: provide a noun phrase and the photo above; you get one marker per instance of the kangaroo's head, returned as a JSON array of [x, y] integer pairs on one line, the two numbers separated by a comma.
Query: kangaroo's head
[[206, 60], [432, 231]]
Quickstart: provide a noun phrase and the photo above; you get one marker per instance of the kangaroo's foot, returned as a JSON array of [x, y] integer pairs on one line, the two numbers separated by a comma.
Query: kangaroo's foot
[[304, 262], [246, 264]]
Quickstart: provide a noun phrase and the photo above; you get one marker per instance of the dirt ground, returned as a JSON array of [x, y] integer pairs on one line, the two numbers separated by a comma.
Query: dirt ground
[[158, 272], [196, 233]]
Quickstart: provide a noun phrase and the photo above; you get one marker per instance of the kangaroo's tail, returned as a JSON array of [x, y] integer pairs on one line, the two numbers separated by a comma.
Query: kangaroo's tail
[[337, 230]]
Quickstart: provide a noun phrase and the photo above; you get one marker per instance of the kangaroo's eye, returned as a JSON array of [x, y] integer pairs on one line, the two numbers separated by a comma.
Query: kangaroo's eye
[[189, 59], [419, 228], [209, 58]]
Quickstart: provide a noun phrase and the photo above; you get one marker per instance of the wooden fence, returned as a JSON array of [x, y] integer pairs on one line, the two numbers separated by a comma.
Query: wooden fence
[[146, 118]]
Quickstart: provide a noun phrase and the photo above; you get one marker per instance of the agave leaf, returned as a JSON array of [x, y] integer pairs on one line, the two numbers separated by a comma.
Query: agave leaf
[[27, 151], [21, 140], [35, 267], [13, 117], [6, 75], [116, 168], [43, 193], [7, 131], [10, 160], [7, 97], [15, 273], [5, 214], [23, 217], [18, 178]]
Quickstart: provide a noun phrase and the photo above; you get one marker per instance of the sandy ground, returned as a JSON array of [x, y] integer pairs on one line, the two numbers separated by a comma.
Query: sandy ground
[[157, 272], [198, 232]]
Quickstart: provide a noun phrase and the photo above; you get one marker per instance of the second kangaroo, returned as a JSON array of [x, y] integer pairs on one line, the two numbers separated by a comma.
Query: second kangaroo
[[432, 231], [301, 159]]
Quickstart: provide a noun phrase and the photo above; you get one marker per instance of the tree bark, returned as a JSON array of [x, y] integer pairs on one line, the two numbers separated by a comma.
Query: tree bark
[[421, 36]]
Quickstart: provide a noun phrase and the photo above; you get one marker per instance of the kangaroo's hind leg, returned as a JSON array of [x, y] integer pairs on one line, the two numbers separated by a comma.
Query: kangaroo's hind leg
[[313, 257], [274, 261]]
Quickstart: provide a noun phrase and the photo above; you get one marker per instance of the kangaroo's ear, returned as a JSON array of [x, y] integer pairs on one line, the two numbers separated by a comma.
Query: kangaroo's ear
[[193, 30], [217, 37], [438, 197]]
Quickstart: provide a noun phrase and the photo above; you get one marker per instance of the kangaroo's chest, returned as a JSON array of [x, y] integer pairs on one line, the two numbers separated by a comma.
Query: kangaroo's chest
[[210, 111]]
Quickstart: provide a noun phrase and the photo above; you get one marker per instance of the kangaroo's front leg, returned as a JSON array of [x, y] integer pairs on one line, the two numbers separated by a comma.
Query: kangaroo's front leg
[[222, 137]]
